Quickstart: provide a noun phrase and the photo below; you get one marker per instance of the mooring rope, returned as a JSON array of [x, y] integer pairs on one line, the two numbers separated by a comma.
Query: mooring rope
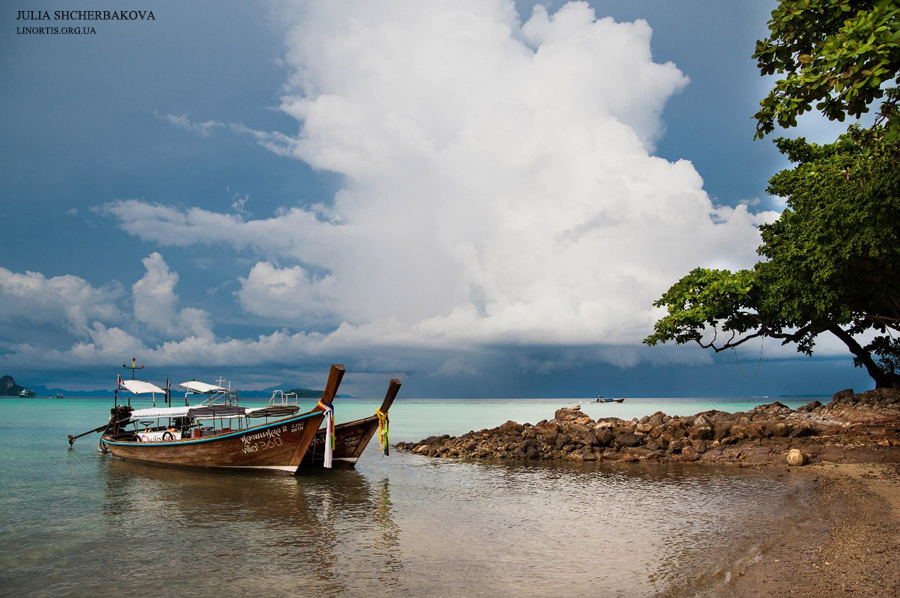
[[758, 365]]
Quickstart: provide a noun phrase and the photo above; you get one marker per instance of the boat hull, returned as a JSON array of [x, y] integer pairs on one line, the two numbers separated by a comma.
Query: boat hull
[[351, 439], [276, 447]]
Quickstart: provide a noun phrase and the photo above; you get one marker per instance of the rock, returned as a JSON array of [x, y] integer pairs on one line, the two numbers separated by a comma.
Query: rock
[[511, 427], [690, 453], [567, 414], [627, 439], [801, 431], [796, 458], [701, 422], [782, 430], [603, 437], [842, 395], [852, 428], [701, 433], [657, 419]]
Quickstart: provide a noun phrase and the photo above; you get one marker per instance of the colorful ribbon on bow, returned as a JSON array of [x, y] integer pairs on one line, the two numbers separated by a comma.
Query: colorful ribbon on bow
[[383, 432], [329, 432]]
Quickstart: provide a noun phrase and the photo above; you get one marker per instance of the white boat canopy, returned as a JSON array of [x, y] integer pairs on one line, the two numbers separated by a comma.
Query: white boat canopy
[[140, 387], [201, 387], [155, 413]]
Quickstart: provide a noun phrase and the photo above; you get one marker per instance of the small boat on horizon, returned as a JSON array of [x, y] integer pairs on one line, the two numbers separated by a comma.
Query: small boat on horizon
[[216, 433], [26, 393], [602, 399]]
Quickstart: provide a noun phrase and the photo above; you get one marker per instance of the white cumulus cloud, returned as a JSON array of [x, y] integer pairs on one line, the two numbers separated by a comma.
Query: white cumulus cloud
[[68, 300], [156, 304], [500, 181]]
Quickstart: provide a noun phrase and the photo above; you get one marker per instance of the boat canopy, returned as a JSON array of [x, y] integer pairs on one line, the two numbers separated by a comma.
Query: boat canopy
[[207, 412], [157, 412], [201, 387], [140, 387]]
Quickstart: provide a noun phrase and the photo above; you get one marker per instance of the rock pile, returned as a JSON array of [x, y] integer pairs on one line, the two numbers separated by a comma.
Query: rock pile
[[851, 428]]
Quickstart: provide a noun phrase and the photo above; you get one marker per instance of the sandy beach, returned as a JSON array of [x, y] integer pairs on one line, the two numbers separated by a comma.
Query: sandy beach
[[849, 546], [844, 459]]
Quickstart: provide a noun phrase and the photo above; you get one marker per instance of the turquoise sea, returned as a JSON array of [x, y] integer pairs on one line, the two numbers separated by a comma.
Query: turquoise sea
[[78, 523]]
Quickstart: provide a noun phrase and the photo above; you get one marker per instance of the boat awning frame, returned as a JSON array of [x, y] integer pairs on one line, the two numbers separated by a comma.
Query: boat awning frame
[[139, 387], [202, 388]]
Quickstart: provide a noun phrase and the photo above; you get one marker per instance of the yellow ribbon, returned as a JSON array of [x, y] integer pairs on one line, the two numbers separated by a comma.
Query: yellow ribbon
[[383, 432]]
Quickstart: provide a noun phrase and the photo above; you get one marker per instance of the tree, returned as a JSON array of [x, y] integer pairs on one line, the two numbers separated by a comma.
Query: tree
[[841, 55], [832, 262]]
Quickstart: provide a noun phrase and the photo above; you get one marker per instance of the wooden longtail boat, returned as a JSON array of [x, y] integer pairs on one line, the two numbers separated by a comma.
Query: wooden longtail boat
[[352, 438], [606, 400], [187, 440]]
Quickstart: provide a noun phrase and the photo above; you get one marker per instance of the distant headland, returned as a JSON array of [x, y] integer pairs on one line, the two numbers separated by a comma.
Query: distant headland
[[9, 388]]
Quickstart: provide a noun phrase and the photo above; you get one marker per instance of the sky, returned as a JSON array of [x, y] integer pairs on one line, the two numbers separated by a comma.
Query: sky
[[480, 197]]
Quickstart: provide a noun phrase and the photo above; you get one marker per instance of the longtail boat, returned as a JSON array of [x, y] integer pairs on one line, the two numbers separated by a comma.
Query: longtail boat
[[352, 438], [217, 433]]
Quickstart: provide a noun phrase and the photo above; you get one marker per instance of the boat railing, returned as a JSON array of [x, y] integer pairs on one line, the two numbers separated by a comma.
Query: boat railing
[[220, 397], [281, 398]]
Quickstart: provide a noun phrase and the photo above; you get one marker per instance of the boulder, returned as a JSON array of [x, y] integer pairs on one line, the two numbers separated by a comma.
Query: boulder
[[603, 437], [690, 453], [701, 433], [796, 458], [782, 430], [811, 406], [627, 439], [568, 414]]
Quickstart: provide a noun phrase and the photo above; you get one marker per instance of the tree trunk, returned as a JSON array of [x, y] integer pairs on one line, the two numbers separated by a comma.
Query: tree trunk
[[882, 379]]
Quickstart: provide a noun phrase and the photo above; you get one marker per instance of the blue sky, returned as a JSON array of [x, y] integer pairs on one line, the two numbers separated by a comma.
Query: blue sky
[[479, 197]]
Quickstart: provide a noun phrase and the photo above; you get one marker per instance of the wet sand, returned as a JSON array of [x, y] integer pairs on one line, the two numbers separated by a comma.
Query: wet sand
[[849, 546]]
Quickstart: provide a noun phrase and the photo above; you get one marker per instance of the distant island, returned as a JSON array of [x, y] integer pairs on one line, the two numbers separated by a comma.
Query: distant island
[[9, 388]]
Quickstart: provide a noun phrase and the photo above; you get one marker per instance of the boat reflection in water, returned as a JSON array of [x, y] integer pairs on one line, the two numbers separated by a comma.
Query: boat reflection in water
[[312, 536]]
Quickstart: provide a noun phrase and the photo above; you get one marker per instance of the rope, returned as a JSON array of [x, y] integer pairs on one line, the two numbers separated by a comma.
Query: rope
[[758, 365], [329, 432], [383, 432]]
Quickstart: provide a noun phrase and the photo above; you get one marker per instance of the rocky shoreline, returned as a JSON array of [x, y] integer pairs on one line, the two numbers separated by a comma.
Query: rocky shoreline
[[852, 428]]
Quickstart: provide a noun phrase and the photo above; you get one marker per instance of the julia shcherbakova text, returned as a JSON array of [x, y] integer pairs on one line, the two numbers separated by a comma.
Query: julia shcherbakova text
[[86, 15], [77, 15]]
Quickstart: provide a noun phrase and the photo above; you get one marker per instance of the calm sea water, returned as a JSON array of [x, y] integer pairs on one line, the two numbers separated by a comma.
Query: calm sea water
[[74, 522]]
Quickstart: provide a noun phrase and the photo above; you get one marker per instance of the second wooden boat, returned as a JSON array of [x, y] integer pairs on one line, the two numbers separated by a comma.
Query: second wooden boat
[[351, 438]]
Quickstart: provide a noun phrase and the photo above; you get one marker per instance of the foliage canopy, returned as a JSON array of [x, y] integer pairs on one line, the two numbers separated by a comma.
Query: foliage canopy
[[839, 55], [832, 262]]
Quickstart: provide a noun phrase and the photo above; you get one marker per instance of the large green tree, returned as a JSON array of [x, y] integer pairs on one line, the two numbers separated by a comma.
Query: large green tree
[[832, 262], [837, 56]]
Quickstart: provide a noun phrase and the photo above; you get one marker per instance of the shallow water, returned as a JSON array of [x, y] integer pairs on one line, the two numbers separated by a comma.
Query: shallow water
[[76, 522]]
